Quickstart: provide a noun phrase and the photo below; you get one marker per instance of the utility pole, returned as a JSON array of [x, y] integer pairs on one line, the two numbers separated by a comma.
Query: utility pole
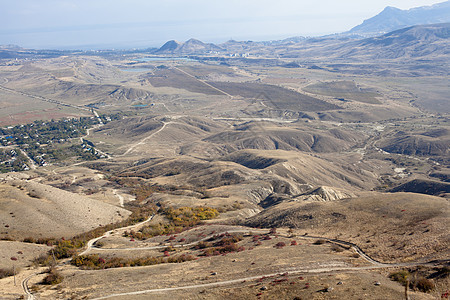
[[54, 259], [14, 268], [406, 289]]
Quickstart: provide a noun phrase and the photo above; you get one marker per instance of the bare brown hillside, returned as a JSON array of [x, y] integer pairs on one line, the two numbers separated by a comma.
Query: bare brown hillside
[[31, 209], [402, 226]]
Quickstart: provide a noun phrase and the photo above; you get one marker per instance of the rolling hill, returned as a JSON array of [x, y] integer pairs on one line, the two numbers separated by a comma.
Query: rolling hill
[[402, 225], [31, 209], [415, 41], [428, 143]]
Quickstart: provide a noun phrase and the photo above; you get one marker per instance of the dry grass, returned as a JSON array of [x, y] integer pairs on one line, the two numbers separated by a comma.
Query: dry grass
[[275, 97], [347, 90], [51, 212], [402, 226], [24, 252], [176, 79]]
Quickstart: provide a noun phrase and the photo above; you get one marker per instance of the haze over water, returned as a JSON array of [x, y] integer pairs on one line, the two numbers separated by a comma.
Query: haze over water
[[104, 24]]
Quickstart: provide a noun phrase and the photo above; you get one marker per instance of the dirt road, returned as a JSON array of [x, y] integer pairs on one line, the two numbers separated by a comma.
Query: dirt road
[[142, 142], [204, 82], [375, 264]]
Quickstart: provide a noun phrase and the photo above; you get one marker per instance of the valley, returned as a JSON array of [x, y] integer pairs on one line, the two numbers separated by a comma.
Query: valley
[[308, 175]]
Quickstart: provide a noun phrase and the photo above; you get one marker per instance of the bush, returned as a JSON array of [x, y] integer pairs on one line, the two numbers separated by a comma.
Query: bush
[[226, 244], [203, 245], [180, 219], [94, 262], [6, 273], [294, 243], [66, 249], [31, 240], [400, 276], [53, 277], [280, 245], [337, 248], [190, 216], [44, 260], [422, 284]]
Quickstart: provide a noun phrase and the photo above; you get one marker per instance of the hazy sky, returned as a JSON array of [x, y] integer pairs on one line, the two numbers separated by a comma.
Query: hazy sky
[[146, 23]]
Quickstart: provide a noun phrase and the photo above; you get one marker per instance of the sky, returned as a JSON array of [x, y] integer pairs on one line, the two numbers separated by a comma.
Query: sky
[[125, 24]]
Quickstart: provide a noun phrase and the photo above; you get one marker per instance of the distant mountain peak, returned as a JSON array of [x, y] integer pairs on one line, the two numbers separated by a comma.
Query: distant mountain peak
[[194, 41], [169, 46], [191, 46], [391, 8], [392, 18]]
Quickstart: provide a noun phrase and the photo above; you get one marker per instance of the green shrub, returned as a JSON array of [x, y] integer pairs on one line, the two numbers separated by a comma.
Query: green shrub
[[66, 249], [400, 276]]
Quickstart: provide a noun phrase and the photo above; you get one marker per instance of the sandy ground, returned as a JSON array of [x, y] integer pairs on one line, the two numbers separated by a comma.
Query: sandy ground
[[24, 252]]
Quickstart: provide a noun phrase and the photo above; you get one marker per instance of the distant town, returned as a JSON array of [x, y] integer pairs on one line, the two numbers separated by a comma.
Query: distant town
[[23, 147]]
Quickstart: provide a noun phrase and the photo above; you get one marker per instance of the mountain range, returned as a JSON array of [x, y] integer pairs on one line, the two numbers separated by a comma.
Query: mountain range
[[420, 32], [393, 33], [392, 18], [415, 42]]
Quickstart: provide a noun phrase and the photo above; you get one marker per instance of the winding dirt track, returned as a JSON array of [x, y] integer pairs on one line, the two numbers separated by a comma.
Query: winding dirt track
[[25, 288], [121, 198], [174, 246], [142, 142], [240, 280], [90, 245]]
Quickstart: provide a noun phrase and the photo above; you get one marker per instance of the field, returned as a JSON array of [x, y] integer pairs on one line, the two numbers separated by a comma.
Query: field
[[17, 109], [177, 79], [344, 90], [275, 97]]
